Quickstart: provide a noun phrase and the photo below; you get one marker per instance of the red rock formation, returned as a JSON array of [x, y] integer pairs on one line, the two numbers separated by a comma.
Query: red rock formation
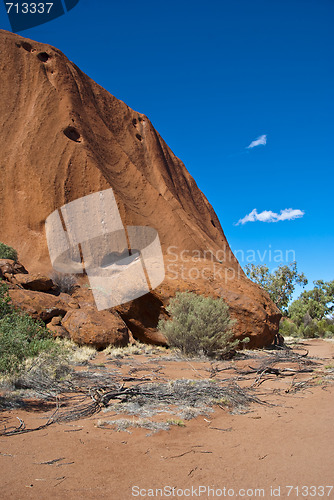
[[64, 137]]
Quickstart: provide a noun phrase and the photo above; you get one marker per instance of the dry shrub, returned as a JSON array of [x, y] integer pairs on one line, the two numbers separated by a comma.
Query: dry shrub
[[66, 283]]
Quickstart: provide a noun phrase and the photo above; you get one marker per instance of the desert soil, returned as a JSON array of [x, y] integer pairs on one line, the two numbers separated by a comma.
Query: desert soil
[[255, 453]]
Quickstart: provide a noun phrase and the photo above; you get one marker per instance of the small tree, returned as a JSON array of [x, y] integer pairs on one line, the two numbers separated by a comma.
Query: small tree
[[280, 284], [7, 252], [298, 312], [199, 325], [318, 302]]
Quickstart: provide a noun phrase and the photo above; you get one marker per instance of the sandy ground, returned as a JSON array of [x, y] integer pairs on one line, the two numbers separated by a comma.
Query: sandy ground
[[262, 453]]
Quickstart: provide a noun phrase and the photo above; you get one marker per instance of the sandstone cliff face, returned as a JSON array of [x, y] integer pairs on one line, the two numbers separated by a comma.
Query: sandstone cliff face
[[63, 137]]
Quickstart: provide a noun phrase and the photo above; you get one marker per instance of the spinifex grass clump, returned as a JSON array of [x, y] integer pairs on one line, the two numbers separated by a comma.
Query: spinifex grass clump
[[66, 283], [199, 325]]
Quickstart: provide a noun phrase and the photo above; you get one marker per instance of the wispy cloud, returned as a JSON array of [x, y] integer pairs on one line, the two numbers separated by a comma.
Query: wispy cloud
[[260, 141], [269, 216]]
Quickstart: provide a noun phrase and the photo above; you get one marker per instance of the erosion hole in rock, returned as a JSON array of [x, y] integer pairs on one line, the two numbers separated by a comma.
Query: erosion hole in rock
[[43, 56], [134, 122], [140, 119], [139, 137], [72, 133], [119, 258], [214, 225], [26, 46]]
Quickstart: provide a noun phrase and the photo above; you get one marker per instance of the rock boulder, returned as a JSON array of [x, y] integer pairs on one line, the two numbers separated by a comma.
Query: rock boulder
[[10, 268], [98, 329], [35, 282], [39, 305]]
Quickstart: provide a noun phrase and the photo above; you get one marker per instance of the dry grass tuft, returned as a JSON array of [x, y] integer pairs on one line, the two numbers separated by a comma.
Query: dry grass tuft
[[123, 424]]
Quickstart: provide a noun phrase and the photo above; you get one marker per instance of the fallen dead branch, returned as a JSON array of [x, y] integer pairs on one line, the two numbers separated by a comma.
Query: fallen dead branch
[[180, 393], [187, 452], [229, 429], [51, 462], [283, 372]]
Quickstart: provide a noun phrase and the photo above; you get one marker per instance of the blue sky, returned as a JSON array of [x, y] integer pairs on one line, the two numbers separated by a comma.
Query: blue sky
[[213, 77]]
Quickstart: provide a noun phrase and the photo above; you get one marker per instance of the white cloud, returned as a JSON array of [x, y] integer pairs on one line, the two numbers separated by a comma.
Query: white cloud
[[260, 141], [290, 214], [269, 216]]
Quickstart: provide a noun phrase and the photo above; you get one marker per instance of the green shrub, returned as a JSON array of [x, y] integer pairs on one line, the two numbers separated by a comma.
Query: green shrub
[[325, 328], [289, 329], [311, 331], [308, 329], [5, 306], [199, 325], [7, 252], [22, 337]]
